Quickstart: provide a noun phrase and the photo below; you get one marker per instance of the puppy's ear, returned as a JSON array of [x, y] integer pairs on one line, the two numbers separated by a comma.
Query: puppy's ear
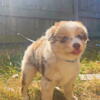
[[56, 24], [83, 26], [51, 31]]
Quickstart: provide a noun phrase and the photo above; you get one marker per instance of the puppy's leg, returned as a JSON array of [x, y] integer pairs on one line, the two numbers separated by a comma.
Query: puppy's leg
[[47, 88], [68, 91], [28, 72]]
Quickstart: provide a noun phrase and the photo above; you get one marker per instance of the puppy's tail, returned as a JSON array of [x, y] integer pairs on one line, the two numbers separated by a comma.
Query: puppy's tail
[[28, 39]]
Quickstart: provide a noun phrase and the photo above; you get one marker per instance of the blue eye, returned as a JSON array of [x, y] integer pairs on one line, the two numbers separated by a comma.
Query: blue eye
[[82, 37], [64, 39]]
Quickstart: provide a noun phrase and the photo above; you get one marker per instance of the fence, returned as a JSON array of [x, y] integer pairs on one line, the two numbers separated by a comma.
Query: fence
[[33, 17]]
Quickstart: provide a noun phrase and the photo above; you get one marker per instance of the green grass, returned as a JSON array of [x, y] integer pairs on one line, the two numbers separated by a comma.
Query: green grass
[[10, 62]]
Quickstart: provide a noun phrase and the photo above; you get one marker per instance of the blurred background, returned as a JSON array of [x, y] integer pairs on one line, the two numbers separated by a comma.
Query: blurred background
[[33, 17]]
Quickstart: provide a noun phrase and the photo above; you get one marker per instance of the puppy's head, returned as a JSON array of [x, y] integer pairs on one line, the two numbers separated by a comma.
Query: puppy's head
[[68, 39]]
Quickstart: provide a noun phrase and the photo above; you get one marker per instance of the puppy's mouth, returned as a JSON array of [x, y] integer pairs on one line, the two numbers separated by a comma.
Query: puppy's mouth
[[76, 51]]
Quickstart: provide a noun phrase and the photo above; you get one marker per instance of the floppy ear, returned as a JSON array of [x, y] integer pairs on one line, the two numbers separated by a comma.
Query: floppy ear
[[52, 30], [56, 24], [82, 24]]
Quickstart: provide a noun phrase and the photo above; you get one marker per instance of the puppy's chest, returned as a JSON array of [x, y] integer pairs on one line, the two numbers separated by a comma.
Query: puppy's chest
[[68, 69], [64, 72]]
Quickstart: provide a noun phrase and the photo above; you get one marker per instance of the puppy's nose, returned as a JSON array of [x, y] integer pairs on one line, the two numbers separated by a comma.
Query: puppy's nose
[[76, 45]]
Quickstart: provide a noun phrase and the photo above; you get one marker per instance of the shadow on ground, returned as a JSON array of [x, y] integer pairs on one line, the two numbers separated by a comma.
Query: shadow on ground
[[58, 95]]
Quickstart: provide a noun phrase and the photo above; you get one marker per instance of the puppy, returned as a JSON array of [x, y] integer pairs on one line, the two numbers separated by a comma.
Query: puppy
[[56, 55]]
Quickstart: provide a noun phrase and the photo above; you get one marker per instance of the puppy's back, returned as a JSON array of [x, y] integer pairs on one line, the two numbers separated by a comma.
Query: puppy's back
[[34, 53]]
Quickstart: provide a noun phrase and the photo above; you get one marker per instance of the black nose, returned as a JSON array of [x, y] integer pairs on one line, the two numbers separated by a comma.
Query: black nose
[[76, 45]]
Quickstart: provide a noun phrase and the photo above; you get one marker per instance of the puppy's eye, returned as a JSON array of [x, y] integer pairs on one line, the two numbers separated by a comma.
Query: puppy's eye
[[64, 39], [82, 37]]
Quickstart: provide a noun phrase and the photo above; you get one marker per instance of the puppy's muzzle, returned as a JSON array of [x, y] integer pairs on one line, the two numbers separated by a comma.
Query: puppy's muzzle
[[76, 45]]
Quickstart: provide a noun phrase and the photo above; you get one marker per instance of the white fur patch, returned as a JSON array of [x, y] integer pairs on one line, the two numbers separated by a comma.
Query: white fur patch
[[70, 24], [76, 40]]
